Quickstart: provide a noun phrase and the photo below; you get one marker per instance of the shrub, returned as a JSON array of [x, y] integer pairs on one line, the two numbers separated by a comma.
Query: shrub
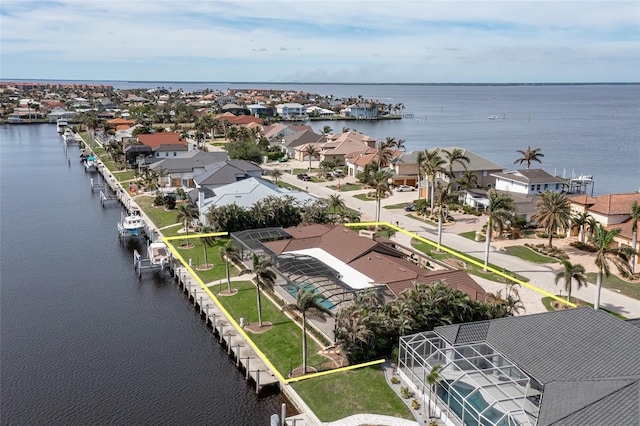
[[415, 404], [405, 392], [158, 201], [170, 202], [395, 380]]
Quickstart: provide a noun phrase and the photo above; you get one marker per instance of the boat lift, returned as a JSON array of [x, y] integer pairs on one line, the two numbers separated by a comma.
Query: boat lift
[[158, 257], [124, 232]]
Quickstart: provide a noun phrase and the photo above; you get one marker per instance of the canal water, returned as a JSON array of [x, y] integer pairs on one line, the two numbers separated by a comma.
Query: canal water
[[83, 341]]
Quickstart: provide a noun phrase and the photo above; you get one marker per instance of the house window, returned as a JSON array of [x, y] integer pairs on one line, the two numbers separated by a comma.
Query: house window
[[533, 187], [557, 186], [484, 173], [538, 187], [175, 154], [546, 186]]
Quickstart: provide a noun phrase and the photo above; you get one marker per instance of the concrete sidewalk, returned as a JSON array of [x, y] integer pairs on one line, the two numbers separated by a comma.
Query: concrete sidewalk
[[540, 275]]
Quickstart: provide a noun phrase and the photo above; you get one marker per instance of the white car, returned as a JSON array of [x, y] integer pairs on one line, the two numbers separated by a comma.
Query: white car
[[405, 188]]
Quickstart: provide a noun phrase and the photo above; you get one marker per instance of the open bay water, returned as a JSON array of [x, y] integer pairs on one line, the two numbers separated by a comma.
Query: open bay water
[[580, 129], [83, 341]]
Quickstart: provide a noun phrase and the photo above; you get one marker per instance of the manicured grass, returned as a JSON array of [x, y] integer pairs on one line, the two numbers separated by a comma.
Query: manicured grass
[[614, 283], [339, 395], [123, 176], [471, 268], [157, 214], [471, 235], [525, 253], [196, 254], [282, 184], [397, 206], [363, 197], [282, 344], [546, 301], [421, 218]]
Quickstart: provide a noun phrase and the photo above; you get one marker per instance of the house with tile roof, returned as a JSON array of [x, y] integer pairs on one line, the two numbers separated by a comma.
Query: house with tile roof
[[339, 146], [611, 211], [574, 367], [164, 144], [292, 144]]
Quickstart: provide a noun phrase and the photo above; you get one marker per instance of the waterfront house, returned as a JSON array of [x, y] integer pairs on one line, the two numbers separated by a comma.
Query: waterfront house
[[528, 182], [316, 111], [182, 169], [361, 110], [291, 111], [566, 367], [482, 168], [235, 109], [164, 144], [610, 211], [245, 193]]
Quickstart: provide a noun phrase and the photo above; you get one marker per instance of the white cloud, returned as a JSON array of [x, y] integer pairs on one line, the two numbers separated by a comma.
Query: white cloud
[[322, 40]]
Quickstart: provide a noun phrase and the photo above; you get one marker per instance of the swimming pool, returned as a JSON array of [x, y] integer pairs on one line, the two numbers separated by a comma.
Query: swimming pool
[[292, 289], [473, 405]]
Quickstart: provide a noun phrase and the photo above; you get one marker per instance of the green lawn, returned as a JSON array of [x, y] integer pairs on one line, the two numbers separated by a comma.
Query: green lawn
[[196, 254], [612, 282], [157, 214], [363, 197], [397, 206], [282, 344], [471, 268], [525, 253], [471, 235], [546, 301], [344, 187], [123, 176], [339, 395]]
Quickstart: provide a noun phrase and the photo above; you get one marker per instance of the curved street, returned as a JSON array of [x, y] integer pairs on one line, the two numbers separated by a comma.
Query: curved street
[[540, 275]]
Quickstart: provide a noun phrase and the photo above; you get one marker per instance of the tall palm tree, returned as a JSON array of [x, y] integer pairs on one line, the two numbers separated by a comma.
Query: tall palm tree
[[581, 221], [434, 164], [264, 277], [453, 157], [335, 203], [186, 213], [380, 183], [307, 304], [501, 210], [432, 379], [230, 254], [385, 152], [605, 253], [311, 151], [442, 196], [635, 216], [529, 155], [420, 158], [276, 174], [553, 212], [572, 272], [468, 180]]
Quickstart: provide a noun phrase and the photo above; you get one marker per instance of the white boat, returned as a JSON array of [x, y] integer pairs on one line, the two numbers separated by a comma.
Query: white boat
[[68, 137], [90, 164], [158, 254], [133, 224], [61, 124], [493, 117]]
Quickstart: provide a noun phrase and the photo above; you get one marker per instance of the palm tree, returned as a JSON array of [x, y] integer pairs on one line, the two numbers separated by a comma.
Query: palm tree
[[501, 210], [385, 152], [335, 203], [380, 183], [605, 253], [468, 180], [453, 157], [276, 174], [327, 129], [553, 212], [581, 221], [186, 213], [264, 277], [442, 194], [307, 303], [434, 164], [432, 379], [420, 158], [310, 150], [635, 216], [528, 156], [230, 253], [572, 272]]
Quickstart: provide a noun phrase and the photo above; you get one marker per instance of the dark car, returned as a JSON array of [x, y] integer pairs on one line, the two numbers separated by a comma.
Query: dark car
[[410, 208], [304, 176]]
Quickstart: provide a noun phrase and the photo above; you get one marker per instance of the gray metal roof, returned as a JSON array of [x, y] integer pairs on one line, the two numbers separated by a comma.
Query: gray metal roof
[[226, 172], [531, 176], [189, 161], [583, 357]]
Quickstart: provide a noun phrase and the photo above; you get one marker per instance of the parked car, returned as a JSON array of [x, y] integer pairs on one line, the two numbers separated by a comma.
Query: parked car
[[404, 188], [338, 173], [410, 207], [304, 176], [283, 159]]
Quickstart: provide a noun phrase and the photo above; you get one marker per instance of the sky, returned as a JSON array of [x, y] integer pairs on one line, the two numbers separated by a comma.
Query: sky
[[348, 41]]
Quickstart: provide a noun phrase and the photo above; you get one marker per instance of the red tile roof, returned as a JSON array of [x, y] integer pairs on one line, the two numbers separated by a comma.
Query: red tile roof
[[155, 140]]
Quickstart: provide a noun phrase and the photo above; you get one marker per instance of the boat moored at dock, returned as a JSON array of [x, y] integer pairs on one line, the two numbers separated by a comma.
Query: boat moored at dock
[[61, 124], [90, 164], [132, 225]]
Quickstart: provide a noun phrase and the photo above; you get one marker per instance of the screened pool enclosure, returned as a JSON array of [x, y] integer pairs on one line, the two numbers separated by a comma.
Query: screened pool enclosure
[[476, 386]]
